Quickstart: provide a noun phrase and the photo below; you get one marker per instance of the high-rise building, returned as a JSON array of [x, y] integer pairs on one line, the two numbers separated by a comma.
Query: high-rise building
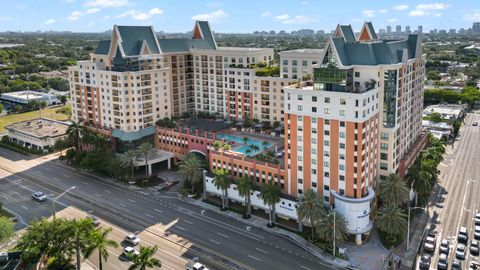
[[398, 29], [407, 30], [420, 29], [359, 120], [389, 29], [476, 28], [296, 64]]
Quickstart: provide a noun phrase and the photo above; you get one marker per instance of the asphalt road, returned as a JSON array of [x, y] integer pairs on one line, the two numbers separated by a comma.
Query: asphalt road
[[459, 183], [181, 231]]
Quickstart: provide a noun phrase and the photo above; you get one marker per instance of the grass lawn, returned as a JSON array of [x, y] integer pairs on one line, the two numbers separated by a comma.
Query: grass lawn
[[48, 113]]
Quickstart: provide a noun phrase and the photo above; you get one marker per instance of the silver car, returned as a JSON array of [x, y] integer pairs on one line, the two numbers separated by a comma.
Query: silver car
[[132, 239], [442, 261], [476, 233], [460, 252], [39, 196]]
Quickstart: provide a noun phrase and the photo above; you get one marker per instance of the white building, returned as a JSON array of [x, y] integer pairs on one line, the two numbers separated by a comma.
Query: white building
[[38, 134], [296, 64], [27, 96]]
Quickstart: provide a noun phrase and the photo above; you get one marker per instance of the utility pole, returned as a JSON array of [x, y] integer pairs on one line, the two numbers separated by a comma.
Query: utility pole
[[334, 215]]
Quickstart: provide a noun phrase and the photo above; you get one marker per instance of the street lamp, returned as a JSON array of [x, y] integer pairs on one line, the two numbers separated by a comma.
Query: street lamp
[[54, 200], [408, 225]]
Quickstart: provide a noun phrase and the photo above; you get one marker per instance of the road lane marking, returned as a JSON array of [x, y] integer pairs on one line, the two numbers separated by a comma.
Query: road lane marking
[[158, 210], [133, 201], [24, 207], [85, 183], [304, 267], [55, 178], [96, 194], [122, 205], [6, 198], [187, 221], [255, 258], [47, 169], [107, 191], [261, 250], [213, 241], [148, 215], [223, 235], [180, 228], [66, 176], [15, 192]]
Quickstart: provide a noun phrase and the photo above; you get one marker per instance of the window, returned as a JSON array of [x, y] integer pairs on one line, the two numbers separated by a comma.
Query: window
[[299, 107], [314, 109], [294, 62], [357, 74], [300, 118], [300, 158], [327, 100], [326, 111], [314, 151], [341, 156], [383, 166], [300, 168], [300, 97], [383, 136], [314, 130], [314, 161], [326, 153], [314, 140], [314, 99], [326, 143], [300, 128], [314, 120], [342, 112], [300, 180], [327, 121], [300, 138], [314, 171], [341, 167], [304, 63], [285, 62], [342, 123], [327, 132], [326, 164], [383, 156], [343, 101], [341, 177], [342, 146], [342, 134], [314, 184], [384, 146], [326, 174], [326, 187]]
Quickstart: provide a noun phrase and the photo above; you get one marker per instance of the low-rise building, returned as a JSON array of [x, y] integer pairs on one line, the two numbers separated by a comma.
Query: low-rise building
[[37, 134], [446, 111], [27, 96]]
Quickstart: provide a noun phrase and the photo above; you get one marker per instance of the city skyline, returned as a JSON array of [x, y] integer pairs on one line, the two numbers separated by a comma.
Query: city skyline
[[231, 17]]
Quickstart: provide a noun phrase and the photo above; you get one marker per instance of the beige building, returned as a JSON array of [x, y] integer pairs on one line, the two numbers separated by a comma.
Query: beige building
[[296, 64], [37, 134]]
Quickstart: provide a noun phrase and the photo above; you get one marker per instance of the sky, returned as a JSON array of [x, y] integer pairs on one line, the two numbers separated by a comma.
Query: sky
[[234, 16]]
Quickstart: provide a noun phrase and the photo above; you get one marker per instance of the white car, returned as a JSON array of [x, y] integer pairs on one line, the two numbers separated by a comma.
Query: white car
[[39, 196], [132, 239], [460, 252], [442, 262], [477, 218], [195, 266], [476, 233], [430, 242], [129, 251], [474, 266]]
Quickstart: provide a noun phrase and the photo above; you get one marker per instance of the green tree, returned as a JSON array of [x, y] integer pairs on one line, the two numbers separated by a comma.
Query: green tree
[[66, 110], [227, 147], [222, 182], [245, 140], [6, 229], [75, 133], [217, 145], [146, 150], [456, 127], [144, 259], [63, 100], [127, 160], [436, 117], [83, 229], [244, 188], [393, 190], [391, 219], [191, 169], [248, 152], [265, 144], [326, 224], [270, 196], [1, 108], [433, 75], [99, 241], [310, 208]]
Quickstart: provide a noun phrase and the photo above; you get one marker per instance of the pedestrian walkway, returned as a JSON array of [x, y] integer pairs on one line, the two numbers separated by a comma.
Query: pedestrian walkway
[[369, 256], [261, 223]]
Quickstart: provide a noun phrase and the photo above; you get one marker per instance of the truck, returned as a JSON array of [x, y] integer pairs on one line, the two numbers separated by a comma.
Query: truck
[[192, 265]]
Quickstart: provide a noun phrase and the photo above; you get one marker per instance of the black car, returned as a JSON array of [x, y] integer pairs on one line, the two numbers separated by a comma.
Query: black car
[[444, 246], [474, 246], [462, 235], [425, 261]]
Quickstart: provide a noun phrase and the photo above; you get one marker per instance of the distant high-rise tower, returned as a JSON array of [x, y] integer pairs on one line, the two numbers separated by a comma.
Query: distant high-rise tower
[[476, 28], [420, 29], [389, 29], [398, 29], [407, 29]]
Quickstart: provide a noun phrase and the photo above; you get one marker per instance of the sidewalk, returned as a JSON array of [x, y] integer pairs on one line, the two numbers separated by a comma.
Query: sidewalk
[[261, 223], [369, 256]]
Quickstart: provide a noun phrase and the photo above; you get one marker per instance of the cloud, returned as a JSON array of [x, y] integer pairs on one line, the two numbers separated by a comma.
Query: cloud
[[304, 2], [3, 18], [49, 21], [266, 14], [75, 15], [298, 19], [106, 3], [434, 6], [214, 4], [400, 7], [369, 13], [139, 15], [475, 16], [382, 10], [69, 1], [417, 12], [212, 16], [392, 20]]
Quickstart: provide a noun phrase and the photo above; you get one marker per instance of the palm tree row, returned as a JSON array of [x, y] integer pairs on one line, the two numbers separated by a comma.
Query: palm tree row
[[191, 169], [129, 158], [55, 242]]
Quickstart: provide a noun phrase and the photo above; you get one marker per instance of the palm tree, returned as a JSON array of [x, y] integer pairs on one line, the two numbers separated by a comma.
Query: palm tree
[[310, 208], [326, 224], [222, 182], [146, 149], [245, 140], [191, 169], [100, 242], [83, 230], [270, 196], [227, 147], [432, 153], [394, 190], [128, 161], [248, 152], [75, 133], [244, 188], [253, 147], [144, 259], [391, 219], [264, 144], [419, 180], [217, 145]]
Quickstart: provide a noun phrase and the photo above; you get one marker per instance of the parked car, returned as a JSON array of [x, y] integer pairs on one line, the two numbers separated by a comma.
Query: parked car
[[39, 196], [3, 256], [456, 264], [442, 262], [129, 251], [475, 124], [474, 246], [474, 266], [460, 252], [95, 220], [462, 235], [476, 233], [477, 218], [132, 239], [425, 261], [191, 265], [444, 246], [430, 242]]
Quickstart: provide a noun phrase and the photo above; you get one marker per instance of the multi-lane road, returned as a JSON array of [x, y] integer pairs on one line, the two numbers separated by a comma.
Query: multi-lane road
[[181, 231], [459, 190]]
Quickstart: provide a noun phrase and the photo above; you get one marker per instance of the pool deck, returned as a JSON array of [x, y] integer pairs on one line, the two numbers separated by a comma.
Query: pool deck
[[258, 139]]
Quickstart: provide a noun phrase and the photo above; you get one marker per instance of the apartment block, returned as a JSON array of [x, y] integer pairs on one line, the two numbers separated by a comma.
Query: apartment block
[[297, 64]]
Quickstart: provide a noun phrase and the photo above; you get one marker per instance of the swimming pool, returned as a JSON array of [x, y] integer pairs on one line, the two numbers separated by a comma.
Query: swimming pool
[[240, 146]]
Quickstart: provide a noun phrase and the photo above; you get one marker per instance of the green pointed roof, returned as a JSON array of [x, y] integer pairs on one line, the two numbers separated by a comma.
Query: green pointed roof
[[185, 44], [103, 47]]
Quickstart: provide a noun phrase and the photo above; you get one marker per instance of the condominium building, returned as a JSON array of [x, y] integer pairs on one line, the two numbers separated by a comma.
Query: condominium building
[[356, 121], [297, 64]]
